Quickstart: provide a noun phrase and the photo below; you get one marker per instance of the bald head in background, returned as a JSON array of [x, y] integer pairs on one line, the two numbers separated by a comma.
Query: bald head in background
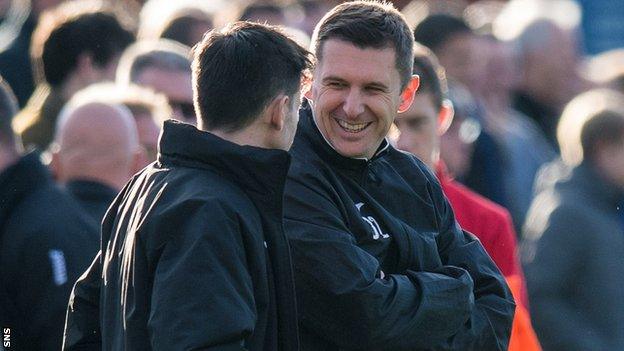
[[98, 142]]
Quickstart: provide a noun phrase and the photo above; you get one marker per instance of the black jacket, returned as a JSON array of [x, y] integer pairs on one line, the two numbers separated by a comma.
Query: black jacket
[[94, 197], [194, 254], [46, 242], [380, 262]]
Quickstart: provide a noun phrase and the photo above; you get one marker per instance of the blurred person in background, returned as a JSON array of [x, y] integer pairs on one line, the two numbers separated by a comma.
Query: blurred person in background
[[457, 48], [164, 66], [46, 242], [523, 144], [150, 110], [420, 128], [74, 45], [545, 35], [185, 24], [96, 149], [606, 70], [15, 65], [574, 232]]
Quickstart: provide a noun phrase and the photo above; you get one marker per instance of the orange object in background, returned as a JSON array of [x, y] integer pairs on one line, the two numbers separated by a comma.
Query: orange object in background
[[523, 337]]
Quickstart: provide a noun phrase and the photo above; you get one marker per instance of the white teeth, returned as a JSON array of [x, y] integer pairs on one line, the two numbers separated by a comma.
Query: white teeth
[[352, 127]]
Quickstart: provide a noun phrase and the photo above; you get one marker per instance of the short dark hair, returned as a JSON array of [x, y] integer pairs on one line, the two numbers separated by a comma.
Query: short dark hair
[[435, 30], [431, 73], [179, 26], [239, 69], [368, 24], [8, 109], [64, 33]]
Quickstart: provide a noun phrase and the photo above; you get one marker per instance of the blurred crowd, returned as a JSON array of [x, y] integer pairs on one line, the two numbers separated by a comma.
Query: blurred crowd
[[536, 93]]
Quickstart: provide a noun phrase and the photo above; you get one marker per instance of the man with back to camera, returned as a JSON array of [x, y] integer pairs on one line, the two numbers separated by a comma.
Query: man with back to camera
[[193, 253], [379, 260]]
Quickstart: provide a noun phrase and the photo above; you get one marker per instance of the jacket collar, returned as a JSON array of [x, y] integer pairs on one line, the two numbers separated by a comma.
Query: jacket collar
[[310, 131], [261, 171], [20, 180]]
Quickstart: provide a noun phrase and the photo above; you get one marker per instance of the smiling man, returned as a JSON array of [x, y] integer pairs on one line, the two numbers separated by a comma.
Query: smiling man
[[380, 262]]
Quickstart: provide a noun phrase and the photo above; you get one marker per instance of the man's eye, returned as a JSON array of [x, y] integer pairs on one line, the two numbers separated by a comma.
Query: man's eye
[[336, 85], [375, 89]]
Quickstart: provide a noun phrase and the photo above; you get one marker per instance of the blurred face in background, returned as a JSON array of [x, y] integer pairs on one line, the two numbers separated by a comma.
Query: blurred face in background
[[418, 127], [463, 59], [176, 85]]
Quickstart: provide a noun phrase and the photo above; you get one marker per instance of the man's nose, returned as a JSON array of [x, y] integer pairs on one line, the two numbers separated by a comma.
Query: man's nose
[[354, 104]]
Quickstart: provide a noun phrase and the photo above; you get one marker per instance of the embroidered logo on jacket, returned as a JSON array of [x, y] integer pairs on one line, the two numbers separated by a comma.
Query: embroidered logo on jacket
[[377, 232]]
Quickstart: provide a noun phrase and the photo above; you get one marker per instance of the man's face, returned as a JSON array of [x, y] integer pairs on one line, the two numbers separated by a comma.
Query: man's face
[[418, 128], [355, 97], [148, 136], [462, 58], [176, 85]]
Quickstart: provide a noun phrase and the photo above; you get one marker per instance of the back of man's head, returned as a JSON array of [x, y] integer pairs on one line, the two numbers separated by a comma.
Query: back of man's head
[[71, 30], [589, 122], [96, 140], [8, 109], [238, 70], [368, 24], [432, 76]]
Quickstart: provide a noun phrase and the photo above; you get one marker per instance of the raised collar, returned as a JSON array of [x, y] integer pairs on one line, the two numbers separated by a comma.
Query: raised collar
[[19, 180], [254, 169], [310, 131]]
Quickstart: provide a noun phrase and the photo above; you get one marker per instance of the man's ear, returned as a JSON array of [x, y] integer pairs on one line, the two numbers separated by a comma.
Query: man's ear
[[278, 111], [306, 87], [407, 96], [445, 117]]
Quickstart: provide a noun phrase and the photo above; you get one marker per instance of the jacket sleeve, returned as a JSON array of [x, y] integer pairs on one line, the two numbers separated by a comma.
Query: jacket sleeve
[[344, 298], [82, 322], [489, 325], [202, 294]]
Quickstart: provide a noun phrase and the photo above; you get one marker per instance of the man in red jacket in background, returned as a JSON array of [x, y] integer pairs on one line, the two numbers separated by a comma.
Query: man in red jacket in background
[[420, 129]]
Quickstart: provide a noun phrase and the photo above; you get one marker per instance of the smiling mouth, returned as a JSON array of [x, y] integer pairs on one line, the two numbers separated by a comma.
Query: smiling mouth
[[352, 127]]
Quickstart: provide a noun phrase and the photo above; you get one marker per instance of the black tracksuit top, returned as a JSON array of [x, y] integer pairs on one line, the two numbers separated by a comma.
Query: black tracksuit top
[[193, 254], [380, 262]]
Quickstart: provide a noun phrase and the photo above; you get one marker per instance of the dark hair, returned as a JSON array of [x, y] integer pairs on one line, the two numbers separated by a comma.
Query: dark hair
[[368, 24], [251, 11], [436, 30], [238, 70], [8, 109], [63, 34], [606, 127], [179, 27], [431, 73]]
